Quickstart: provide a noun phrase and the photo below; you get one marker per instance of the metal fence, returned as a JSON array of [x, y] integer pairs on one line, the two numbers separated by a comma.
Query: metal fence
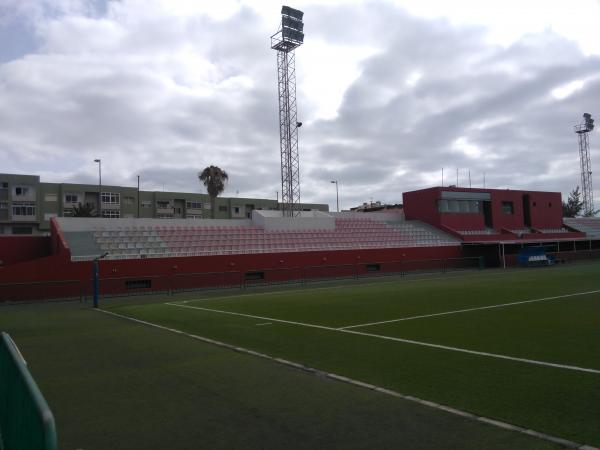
[[579, 255], [26, 422], [181, 282], [38, 290]]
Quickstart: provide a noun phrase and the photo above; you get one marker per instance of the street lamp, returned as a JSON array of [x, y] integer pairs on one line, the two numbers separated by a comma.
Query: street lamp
[[99, 161], [337, 195]]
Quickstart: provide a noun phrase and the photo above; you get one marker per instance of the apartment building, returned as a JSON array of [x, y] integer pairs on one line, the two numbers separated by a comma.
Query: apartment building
[[27, 204]]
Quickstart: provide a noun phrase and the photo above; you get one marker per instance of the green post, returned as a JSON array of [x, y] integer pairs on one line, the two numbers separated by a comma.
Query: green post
[[26, 421]]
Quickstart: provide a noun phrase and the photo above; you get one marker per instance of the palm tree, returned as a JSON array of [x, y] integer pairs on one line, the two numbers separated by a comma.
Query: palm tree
[[86, 210], [214, 179]]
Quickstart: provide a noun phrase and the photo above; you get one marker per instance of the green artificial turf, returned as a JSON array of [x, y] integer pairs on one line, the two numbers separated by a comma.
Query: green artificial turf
[[113, 384], [557, 401]]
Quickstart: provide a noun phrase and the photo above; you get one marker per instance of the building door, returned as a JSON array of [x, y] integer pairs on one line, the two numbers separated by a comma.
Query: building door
[[487, 214], [526, 211]]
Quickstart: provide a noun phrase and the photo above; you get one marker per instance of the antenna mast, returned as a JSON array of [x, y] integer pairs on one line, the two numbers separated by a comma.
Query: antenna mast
[[582, 131], [289, 36]]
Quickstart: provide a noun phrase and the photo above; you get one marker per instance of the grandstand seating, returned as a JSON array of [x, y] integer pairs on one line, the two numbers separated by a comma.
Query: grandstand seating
[[588, 225], [190, 240]]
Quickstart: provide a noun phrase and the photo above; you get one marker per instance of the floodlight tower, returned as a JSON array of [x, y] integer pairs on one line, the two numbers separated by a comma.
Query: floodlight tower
[[582, 131], [289, 36]]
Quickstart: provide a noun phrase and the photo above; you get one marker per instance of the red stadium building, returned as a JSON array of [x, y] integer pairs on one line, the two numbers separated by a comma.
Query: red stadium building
[[490, 214], [439, 229]]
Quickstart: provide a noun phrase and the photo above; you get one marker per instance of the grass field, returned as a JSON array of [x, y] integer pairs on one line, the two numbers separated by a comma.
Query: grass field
[[521, 346]]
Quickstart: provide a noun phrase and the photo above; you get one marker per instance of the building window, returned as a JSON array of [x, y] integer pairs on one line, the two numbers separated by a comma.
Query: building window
[[21, 191], [4, 185], [508, 208], [3, 205], [222, 208], [163, 204], [111, 198], [71, 198], [128, 200], [111, 213], [236, 209], [146, 204], [22, 230], [459, 206], [51, 197], [22, 209], [193, 205]]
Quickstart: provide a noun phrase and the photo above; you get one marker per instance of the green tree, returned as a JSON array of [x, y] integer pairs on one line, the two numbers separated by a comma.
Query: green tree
[[86, 210], [214, 179], [574, 204]]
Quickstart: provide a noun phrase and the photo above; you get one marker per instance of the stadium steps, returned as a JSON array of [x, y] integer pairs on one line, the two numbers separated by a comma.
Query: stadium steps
[[588, 225], [424, 233], [82, 243]]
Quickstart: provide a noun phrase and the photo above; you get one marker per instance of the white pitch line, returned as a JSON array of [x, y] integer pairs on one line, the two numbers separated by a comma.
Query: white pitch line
[[252, 316], [457, 412], [479, 308], [261, 324], [404, 341]]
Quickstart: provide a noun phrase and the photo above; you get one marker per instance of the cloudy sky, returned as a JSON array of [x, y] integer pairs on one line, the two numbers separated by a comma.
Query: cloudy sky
[[390, 92]]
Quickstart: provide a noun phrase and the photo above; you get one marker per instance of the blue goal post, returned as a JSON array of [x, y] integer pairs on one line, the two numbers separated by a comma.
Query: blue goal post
[[26, 422]]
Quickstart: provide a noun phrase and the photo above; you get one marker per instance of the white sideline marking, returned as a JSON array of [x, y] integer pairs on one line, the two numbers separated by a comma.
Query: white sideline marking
[[479, 308], [404, 341], [351, 381], [261, 324]]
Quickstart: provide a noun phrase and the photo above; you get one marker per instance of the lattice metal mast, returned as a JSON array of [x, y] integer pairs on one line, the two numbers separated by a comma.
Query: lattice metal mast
[[289, 36], [582, 131]]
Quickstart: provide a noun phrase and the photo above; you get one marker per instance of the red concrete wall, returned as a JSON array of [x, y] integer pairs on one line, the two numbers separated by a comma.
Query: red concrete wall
[[14, 249], [463, 221], [422, 205], [508, 221], [546, 209], [59, 243], [57, 276]]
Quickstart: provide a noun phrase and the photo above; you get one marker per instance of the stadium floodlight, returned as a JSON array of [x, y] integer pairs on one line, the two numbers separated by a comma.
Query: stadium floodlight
[[99, 161], [291, 12], [291, 31], [589, 122], [289, 37], [585, 163], [288, 22]]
